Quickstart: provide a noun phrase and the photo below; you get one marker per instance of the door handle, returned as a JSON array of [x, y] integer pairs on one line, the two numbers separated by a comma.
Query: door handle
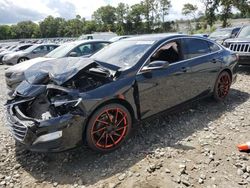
[[214, 60], [185, 69]]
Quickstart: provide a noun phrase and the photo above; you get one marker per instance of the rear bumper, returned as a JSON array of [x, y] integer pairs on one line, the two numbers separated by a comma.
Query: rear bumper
[[52, 135]]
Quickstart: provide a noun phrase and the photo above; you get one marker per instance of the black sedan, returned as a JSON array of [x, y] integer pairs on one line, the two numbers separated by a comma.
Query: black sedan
[[97, 100]]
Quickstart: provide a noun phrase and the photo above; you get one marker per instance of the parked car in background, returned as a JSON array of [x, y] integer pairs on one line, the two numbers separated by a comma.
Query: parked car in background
[[201, 35], [241, 45], [98, 36], [220, 35], [15, 74], [70, 101], [115, 39], [34, 51], [16, 49], [8, 48]]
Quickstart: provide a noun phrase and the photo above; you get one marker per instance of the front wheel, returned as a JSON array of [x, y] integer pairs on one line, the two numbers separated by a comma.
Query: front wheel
[[222, 86], [108, 128], [22, 59]]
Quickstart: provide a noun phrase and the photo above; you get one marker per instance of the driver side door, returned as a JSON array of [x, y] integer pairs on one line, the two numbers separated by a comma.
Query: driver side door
[[164, 88]]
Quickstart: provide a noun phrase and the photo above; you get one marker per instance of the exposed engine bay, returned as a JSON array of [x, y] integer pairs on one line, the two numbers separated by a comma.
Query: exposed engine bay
[[88, 80]]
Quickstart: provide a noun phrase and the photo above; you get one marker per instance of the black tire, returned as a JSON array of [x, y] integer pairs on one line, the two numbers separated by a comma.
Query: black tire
[[222, 86], [22, 59], [108, 128]]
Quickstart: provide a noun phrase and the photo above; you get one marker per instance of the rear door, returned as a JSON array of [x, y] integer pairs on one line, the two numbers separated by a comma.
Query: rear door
[[204, 60]]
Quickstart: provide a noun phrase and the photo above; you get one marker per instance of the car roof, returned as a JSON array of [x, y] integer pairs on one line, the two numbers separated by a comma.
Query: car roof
[[78, 42], [154, 37]]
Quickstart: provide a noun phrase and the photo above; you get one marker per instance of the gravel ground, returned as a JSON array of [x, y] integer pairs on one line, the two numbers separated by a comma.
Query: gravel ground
[[194, 147]]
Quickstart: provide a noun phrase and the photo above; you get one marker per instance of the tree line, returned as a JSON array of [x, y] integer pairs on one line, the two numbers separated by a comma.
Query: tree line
[[148, 16]]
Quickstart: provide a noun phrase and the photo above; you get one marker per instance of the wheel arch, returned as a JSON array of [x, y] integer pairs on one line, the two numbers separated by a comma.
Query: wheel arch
[[22, 57]]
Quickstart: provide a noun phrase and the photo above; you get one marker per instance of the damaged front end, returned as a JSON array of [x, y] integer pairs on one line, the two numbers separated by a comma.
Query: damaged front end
[[48, 114]]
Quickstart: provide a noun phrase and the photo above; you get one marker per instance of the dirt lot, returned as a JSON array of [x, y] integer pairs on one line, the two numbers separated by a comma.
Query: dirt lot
[[195, 147]]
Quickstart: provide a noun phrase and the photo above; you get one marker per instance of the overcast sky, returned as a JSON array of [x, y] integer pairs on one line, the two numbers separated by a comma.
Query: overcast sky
[[13, 11]]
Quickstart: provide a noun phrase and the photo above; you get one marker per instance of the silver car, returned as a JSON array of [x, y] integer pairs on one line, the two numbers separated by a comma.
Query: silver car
[[34, 51], [16, 49], [15, 74]]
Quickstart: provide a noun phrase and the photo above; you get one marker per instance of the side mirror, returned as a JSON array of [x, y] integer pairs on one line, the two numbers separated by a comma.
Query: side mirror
[[73, 54], [155, 65]]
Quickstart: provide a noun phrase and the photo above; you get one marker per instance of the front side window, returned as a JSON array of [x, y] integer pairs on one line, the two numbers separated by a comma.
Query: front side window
[[195, 48], [169, 52], [213, 47], [84, 49], [39, 49], [51, 47]]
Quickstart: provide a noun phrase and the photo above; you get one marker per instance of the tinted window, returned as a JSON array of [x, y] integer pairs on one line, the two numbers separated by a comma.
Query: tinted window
[[24, 47], [213, 47], [40, 49], [50, 48], [195, 48], [99, 46], [84, 49]]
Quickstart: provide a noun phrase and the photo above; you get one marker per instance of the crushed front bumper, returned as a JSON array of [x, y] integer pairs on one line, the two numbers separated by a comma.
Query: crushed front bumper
[[52, 135]]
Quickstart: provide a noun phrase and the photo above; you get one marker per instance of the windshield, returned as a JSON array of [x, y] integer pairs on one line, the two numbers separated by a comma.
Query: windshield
[[61, 51], [245, 32], [124, 54], [12, 48], [221, 33]]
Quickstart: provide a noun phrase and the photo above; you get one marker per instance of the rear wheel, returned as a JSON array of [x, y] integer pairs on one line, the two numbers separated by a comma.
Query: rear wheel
[[222, 86], [22, 59], [108, 128]]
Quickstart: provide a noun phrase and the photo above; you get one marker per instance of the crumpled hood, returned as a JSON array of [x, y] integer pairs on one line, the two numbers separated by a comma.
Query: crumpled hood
[[21, 67], [238, 40], [59, 70]]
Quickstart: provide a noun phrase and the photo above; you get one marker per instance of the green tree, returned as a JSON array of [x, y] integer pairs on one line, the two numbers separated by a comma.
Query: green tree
[[74, 27], [164, 5], [26, 29], [5, 32], [190, 10], [121, 14], [105, 17], [135, 16]]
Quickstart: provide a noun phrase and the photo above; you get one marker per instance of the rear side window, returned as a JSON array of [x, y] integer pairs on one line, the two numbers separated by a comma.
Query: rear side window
[[194, 48]]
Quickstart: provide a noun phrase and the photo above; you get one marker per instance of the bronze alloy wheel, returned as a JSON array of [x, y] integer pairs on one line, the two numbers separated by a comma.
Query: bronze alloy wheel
[[108, 128], [222, 86]]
